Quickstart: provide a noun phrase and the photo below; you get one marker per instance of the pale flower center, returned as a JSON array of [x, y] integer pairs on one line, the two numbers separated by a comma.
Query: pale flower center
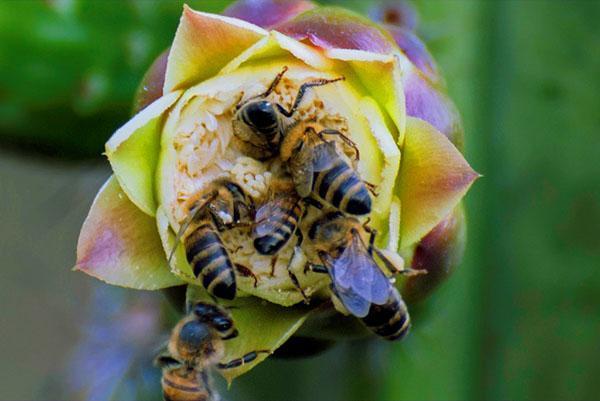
[[206, 149]]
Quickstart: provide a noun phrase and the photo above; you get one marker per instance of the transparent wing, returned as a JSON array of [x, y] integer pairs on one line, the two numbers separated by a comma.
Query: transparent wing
[[356, 271], [355, 304], [265, 218]]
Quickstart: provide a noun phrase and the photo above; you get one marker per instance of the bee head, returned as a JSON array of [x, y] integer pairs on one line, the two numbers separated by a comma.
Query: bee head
[[217, 318], [262, 116], [193, 334]]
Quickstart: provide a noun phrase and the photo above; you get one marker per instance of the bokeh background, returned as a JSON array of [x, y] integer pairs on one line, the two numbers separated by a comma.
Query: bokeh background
[[520, 319]]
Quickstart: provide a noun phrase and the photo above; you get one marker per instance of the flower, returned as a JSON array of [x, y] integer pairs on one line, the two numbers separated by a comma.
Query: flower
[[391, 103]]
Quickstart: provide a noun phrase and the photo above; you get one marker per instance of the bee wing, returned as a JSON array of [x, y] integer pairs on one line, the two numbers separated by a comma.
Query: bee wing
[[356, 305], [323, 156], [356, 270], [263, 218]]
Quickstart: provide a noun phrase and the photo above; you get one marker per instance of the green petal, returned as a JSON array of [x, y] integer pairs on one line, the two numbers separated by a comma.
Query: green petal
[[119, 244], [433, 178], [261, 326], [205, 43], [133, 153]]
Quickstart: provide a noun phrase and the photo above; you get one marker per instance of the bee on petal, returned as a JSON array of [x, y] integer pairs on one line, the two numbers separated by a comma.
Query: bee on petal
[[194, 348]]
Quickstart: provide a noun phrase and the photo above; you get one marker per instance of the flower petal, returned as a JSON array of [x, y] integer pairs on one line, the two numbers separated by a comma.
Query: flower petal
[[278, 45], [337, 28], [434, 176], [119, 244], [439, 252], [371, 53], [391, 159], [266, 13], [205, 43], [427, 103], [133, 152], [261, 326], [415, 50]]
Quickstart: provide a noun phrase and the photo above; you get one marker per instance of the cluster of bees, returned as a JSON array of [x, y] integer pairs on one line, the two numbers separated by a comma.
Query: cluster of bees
[[315, 176]]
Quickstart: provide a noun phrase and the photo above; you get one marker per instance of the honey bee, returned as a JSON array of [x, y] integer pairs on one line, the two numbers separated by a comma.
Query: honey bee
[[223, 205], [312, 161], [194, 348], [261, 124], [277, 220], [390, 320], [356, 279], [316, 167]]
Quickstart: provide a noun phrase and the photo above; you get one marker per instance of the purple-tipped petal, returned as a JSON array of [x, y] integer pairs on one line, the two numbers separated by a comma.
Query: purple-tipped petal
[[336, 28], [439, 252], [430, 104], [395, 12], [415, 50], [267, 13], [151, 87]]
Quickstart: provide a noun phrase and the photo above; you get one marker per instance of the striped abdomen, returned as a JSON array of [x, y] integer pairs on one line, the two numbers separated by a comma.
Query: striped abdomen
[[184, 385], [275, 224], [341, 186], [209, 259], [390, 320]]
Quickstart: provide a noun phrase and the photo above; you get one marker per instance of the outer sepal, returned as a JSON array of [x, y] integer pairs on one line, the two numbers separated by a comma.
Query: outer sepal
[[439, 252], [433, 178], [267, 13], [119, 244]]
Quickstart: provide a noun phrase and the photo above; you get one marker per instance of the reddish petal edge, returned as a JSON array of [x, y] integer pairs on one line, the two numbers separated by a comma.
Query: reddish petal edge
[[267, 13], [337, 28], [119, 243]]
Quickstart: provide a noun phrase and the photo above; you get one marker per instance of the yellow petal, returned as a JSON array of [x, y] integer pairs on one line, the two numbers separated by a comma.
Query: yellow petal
[[433, 177], [133, 152], [205, 43]]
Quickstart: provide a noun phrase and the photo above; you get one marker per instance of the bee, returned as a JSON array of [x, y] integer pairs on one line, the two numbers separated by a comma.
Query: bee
[[196, 346], [277, 220], [316, 167], [390, 320], [223, 205], [312, 161], [261, 124], [356, 278]]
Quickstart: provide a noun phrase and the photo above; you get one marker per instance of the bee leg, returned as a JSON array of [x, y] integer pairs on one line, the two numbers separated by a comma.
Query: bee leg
[[302, 92], [246, 272], [249, 357], [165, 360], [269, 90], [349, 142], [273, 264], [315, 268], [291, 273], [372, 188]]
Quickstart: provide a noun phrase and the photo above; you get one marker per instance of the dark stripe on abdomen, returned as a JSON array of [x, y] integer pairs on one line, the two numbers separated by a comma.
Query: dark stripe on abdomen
[[326, 178]]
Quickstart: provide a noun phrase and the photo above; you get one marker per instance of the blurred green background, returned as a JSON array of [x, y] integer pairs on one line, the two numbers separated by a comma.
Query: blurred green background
[[520, 319]]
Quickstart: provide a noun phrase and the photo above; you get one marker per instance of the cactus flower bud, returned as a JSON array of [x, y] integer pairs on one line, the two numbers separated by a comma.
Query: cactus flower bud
[[390, 104]]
